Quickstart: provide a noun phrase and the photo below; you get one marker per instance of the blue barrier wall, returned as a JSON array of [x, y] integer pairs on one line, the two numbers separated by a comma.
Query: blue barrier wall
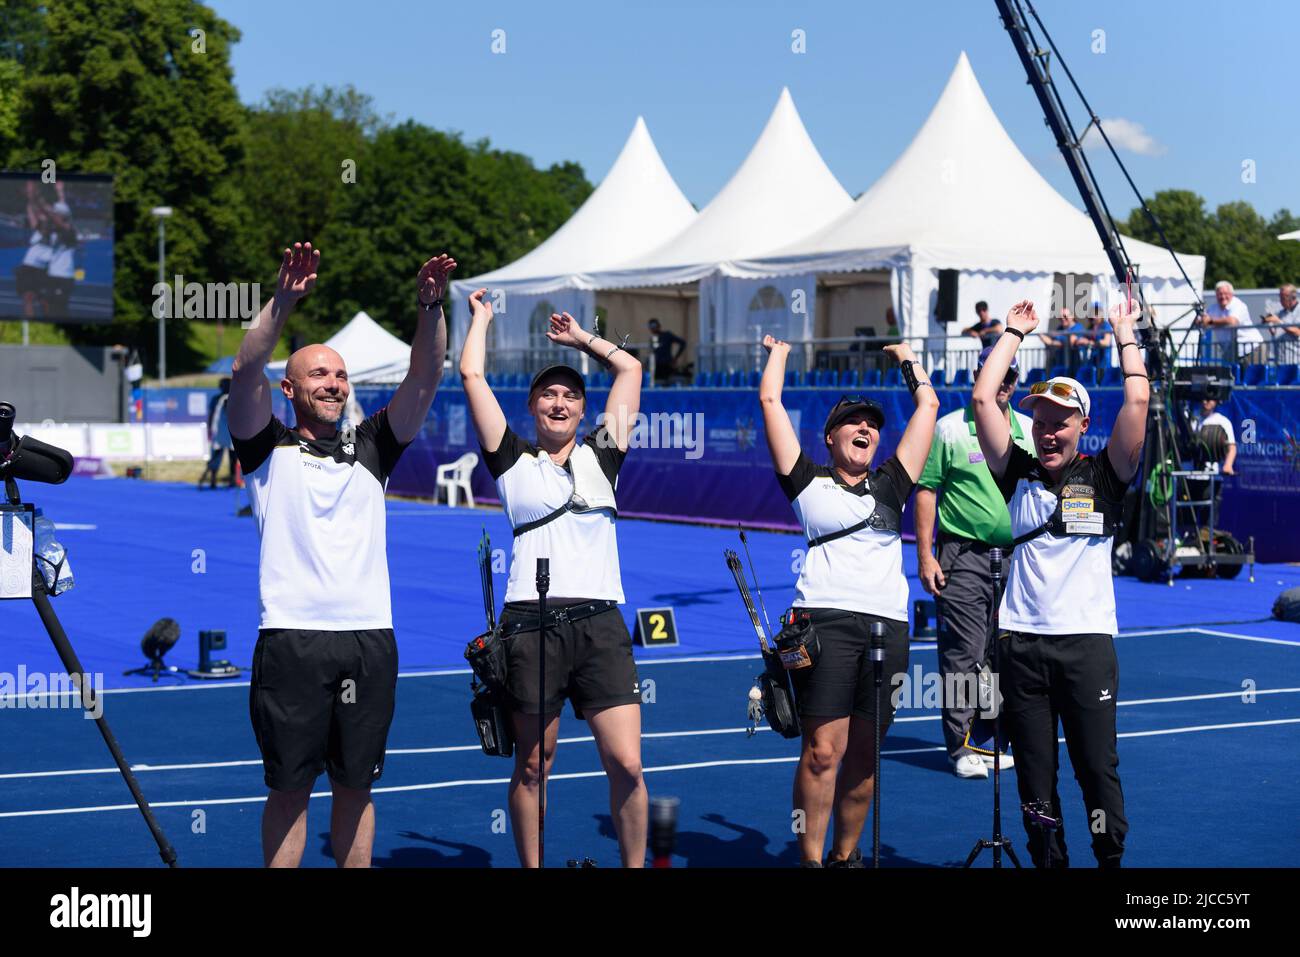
[[724, 475]]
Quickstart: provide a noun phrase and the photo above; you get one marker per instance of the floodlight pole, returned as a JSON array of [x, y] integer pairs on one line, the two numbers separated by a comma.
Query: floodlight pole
[[161, 213]]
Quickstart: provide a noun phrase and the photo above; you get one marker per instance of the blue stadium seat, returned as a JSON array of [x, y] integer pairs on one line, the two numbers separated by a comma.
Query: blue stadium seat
[[961, 379], [1288, 375], [702, 377], [1087, 376], [825, 379], [870, 379], [1113, 376], [1059, 371], [937, 378], [893, 378], [1035, 375], [1255, 375], [791, 378]]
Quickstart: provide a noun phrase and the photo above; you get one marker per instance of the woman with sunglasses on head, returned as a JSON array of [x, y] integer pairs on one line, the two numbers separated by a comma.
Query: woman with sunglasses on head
[[852, 577], [558, 493], [1058, 611]]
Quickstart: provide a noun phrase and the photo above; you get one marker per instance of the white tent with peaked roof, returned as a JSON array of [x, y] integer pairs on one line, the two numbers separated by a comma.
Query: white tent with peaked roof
[[963, 197], [781, 191], [370, 352], [634, 209]]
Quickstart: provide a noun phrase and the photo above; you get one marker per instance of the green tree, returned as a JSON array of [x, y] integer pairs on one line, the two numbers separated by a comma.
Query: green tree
[[114, 86], [1238, 244], [1282, 257], [420, 192]]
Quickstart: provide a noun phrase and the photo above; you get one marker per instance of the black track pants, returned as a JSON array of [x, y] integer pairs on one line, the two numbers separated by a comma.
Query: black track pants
[[1073, 678]]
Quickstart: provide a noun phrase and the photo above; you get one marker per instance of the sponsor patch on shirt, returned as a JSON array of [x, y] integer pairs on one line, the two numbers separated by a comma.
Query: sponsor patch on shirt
[[974, 458]]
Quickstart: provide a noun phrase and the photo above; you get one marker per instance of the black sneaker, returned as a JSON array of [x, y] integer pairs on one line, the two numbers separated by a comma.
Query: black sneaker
[[810, 864], [853, 860]]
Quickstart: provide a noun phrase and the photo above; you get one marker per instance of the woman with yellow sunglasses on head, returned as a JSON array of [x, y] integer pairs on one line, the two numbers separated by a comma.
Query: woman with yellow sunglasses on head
[[1058, 659]]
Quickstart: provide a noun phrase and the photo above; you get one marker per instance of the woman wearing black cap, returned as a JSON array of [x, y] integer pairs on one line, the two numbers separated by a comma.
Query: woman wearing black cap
[[851, 578], [559, 496], [1057, 655]]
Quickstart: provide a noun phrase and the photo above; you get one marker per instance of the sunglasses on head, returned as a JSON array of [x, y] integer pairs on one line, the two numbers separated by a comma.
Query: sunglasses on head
[[1061, 390]]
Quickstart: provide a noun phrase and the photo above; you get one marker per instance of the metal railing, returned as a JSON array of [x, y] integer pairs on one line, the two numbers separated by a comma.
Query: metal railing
[[862, 357]]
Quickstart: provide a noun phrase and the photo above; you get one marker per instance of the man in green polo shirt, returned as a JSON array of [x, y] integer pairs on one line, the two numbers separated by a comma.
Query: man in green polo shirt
[[973, 518]]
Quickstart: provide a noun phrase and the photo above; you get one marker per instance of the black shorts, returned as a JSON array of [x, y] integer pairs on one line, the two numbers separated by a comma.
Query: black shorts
[[322, 701], [589, 662], [58, 290], [842, 683], [30, 279]]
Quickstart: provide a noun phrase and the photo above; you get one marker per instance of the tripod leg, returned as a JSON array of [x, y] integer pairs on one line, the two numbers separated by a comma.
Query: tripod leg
[[69, 658]]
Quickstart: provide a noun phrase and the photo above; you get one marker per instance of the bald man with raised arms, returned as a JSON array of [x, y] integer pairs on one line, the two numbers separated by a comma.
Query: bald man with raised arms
[[325, 666]]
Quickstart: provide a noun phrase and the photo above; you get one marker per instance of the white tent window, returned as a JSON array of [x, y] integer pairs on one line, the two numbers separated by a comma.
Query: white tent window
[[767, 297], [539, 322]]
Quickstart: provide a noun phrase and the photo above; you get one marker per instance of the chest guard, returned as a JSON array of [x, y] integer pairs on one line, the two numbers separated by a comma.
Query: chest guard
[[883, 518], [1080, 510], [592, 491]]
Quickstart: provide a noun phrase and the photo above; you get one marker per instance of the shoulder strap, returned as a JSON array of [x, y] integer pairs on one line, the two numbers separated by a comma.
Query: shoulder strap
[[544, 520], [832, 536]]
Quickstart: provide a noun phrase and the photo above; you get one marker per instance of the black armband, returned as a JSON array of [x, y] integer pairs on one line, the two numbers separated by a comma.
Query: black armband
[[1014, 332], [1133, 344], [909, 376]]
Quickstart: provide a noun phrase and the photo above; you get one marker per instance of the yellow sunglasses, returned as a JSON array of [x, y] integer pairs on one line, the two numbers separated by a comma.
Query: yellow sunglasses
[[1061, 390]]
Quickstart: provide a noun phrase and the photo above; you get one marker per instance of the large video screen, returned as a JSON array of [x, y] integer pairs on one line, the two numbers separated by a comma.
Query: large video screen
[[56, 248]]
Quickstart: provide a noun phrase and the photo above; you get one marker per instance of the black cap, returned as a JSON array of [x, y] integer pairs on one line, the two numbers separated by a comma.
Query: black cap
[[852, 405], [570, 373]]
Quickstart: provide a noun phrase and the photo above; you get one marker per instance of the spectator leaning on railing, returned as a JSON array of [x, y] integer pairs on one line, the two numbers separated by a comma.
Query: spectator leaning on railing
[[986, 330], [1219, 324], [1096, 341], [1285, 326], [1061, 343]]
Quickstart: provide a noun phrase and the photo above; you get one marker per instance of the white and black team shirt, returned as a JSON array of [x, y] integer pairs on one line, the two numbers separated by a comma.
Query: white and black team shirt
[[1060, 585], [582, 546], [320, 512], [39, 251], [861, 572]]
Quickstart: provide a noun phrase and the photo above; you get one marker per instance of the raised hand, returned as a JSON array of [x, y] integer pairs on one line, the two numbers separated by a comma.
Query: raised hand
[[433, 278], [771, 343], [900, 351], [1125, 314], [480, 310], [297, 272], [1022, 317], [565, 331]]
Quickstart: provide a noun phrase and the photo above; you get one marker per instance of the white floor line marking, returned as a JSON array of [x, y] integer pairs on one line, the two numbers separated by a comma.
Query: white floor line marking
[[574, 775], [1207, 631], [916, 645], [454, 748]]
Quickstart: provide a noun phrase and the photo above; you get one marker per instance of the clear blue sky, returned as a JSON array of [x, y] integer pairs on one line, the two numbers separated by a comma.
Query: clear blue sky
[[1210, 83]]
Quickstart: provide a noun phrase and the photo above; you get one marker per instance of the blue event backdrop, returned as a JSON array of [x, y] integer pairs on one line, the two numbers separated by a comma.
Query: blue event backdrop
[[724, 475]]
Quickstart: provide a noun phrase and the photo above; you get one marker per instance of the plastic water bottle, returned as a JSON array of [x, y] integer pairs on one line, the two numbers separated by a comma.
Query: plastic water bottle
[[55, 567]]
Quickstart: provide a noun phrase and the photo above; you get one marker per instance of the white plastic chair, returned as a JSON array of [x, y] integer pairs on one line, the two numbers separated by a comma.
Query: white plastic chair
[[454, 477]]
